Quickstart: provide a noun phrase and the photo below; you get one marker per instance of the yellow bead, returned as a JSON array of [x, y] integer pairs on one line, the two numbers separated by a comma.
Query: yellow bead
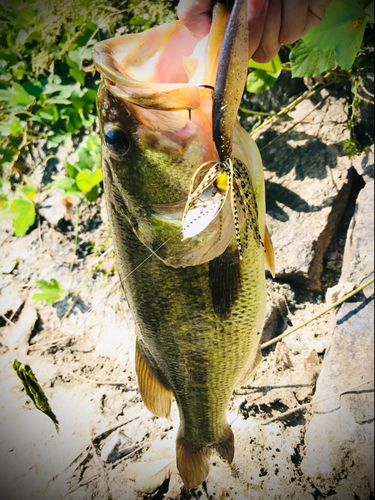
[[222, 182]]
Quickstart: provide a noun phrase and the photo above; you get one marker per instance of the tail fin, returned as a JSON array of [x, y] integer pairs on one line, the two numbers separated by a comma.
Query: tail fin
[[225, 447], [193, 465]]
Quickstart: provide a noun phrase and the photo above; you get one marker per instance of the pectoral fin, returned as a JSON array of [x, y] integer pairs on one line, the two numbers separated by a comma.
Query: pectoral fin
[[269, 253], [155, 395]]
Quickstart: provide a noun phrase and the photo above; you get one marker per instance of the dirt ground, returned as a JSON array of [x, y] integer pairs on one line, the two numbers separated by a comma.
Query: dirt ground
[[85, 365], [81, 349]]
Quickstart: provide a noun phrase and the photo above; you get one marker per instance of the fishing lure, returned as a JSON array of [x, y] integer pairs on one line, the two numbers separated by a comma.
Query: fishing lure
[[206, 201]]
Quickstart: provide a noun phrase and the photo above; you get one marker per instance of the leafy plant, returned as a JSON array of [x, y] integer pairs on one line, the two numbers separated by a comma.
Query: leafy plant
[[51, 291], [21, 210], [334, 42], [85, 175], [264, 75]]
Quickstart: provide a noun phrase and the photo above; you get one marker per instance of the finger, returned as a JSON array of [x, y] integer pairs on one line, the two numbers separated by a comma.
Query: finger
[[270, 44], [316, 13], [293, 22], [257, 13], [196, 16]]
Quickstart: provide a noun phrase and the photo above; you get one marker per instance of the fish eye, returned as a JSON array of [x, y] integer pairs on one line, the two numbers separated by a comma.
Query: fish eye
[[117, 140]]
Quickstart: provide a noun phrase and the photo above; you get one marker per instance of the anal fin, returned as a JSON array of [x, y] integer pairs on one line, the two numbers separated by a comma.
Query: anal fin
[[192, 464], [269, 255], [155, 395]]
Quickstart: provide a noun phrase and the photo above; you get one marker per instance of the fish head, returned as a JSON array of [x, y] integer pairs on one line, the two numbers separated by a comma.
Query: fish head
[[155, 108]]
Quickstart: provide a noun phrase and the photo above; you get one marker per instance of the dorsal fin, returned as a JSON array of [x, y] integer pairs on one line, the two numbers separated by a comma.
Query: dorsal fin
[[269, 255]]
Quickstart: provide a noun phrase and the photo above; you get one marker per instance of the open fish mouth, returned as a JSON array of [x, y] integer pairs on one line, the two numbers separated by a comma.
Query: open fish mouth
[[181, 98]]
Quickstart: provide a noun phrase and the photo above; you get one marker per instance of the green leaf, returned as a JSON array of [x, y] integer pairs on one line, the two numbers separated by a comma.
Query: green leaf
[[57, 137], [273, 66], [96, 177], [72, 170], [78, 75], [22, 36], [259, 81], [49, 113], [51, 291], [29, 192], [370, 11], [306, 62], [16, 128], [20, 96], [34, 391], [34, 88], [92, 194], [342, 31], [25, 215], [86, 180], [65, 183], [139, 21], [57, 100]]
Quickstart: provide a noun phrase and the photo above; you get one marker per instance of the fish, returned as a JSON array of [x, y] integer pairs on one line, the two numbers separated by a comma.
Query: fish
[[185, 196]]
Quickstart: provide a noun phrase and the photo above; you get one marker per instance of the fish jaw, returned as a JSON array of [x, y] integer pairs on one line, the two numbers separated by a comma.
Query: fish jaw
[[169, 129]]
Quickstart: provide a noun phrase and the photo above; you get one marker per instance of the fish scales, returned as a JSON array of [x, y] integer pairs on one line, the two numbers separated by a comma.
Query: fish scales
[[202, 356], [199, 309]]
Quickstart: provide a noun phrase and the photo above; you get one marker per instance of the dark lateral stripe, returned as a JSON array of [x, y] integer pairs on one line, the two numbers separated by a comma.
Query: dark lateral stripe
[[225, 282]]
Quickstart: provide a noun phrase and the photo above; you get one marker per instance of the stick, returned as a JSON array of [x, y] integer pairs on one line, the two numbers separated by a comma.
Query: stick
[[98, 460], [294, 329], [106, 433], [294, 125], [82, 483], [7, 320], [131, 454], [292, 105], [301, 407]]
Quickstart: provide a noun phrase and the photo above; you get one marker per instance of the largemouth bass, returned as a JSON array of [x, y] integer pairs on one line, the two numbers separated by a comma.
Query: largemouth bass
[[176, 165]]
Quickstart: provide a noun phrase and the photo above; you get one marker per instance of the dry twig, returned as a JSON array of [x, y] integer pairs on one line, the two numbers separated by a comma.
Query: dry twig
[[316, 316]]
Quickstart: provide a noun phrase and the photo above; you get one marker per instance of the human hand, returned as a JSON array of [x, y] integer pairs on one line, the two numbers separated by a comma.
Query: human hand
[[271, 22]]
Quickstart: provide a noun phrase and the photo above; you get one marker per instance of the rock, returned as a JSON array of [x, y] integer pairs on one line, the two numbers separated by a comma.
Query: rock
[[52, 209], [364, 128], [11, 300], [117, 446], [364, 164], [282, 357], [339, 291], [358, 263], [17, 336], [277, 310], [7, 265], [339, 440], [308, 181]]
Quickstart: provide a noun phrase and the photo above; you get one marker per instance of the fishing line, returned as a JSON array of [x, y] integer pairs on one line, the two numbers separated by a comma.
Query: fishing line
[[193, 193]]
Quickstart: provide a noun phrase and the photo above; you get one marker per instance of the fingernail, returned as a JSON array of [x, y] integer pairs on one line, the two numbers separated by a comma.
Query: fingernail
[[256, 7]]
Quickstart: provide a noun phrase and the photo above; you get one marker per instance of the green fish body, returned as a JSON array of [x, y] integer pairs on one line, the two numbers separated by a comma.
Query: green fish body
[[199, 309]]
